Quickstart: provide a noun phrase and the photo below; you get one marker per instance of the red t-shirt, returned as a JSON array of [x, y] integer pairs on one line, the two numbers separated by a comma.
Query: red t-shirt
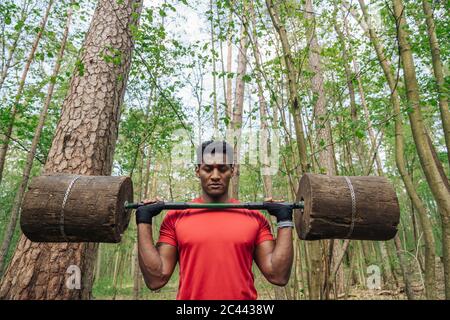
[[215, 249]]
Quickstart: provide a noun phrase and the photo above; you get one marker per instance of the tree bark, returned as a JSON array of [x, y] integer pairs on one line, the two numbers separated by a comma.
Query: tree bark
[[84, 143]]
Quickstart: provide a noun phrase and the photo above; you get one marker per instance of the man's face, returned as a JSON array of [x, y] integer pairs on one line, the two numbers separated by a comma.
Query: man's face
[[214, 174]]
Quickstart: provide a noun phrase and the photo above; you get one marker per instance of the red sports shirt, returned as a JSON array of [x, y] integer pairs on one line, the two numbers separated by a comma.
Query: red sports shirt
[[215, 250]]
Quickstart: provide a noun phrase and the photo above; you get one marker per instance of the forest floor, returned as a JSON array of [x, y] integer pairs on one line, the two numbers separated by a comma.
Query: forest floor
[[104, 291]]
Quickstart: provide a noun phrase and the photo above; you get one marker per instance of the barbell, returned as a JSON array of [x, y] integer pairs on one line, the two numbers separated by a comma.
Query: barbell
[[77, 208]]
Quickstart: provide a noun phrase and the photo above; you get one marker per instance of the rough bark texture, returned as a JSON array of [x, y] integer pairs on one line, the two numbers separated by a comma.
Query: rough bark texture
[[93, 212], [439, 184], [30, 156], [327, 212], [84, 143]]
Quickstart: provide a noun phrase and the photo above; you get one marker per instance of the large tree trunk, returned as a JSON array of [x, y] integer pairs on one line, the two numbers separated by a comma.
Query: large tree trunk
[[84, 143], [437, 181], [31, 153], [438, 73], [400, 159], [5, 137]]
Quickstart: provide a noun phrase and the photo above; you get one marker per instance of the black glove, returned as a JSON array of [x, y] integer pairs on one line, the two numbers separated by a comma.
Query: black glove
[[144, 214], [283, 212]]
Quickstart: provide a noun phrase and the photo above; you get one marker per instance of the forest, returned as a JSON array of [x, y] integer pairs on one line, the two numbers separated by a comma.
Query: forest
[[131, 87]]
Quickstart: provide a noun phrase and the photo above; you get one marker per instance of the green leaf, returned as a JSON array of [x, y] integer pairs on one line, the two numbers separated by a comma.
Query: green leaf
[[162, 13], [247, 78], [359, 133]]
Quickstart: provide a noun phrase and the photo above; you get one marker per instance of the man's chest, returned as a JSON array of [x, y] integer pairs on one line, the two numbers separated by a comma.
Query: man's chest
[[218, 229]]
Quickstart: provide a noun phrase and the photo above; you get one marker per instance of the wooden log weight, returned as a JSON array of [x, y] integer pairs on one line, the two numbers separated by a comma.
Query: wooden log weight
[[337, 207], [70, 208]]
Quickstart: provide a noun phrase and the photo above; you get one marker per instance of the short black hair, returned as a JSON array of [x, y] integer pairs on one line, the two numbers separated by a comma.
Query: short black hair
[[212, 147]]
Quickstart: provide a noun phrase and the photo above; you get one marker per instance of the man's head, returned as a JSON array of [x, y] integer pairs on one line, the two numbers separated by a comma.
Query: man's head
[[215, 168]]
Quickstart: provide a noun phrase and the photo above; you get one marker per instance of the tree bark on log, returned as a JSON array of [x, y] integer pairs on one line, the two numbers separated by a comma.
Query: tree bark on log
[[93, 209], [327, 212]]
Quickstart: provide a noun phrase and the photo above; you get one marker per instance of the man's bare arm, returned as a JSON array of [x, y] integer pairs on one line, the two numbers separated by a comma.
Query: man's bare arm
[[274, 259], [157, 263]]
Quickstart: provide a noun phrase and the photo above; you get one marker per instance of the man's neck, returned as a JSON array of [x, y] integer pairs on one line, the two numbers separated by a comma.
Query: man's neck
[[208, 199]]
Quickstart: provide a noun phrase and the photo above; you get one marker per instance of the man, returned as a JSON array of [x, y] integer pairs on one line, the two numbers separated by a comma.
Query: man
[[214, 247]]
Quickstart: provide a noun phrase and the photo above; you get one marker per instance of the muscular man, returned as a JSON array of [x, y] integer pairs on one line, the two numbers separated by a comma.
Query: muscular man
[[215, 248]]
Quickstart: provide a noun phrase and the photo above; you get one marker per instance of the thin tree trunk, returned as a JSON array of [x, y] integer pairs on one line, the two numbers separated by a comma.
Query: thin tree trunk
[[400, 158], [98, 267], [12, 49], [351, 88], [438, 73], [323, 134], [280, 293], [403, 265], [385, 257], [32, 152], [437, 181], [141, 191], [238, 109], [229, 90], [116, 272], [292, 84], [213, 50], [5, 137], [84, 143]]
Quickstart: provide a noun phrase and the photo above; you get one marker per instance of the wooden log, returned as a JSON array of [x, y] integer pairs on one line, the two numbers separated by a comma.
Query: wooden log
[[93, 212], [328, 214]]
